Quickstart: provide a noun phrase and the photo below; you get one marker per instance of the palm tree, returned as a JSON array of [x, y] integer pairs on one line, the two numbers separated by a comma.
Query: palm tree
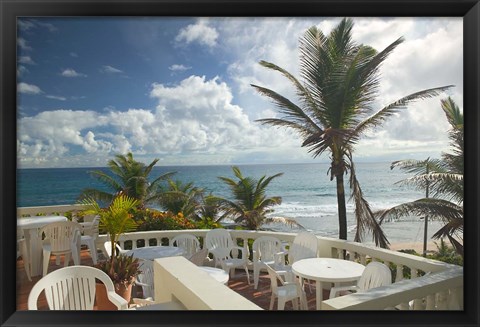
[[209, 209], [336, 99], [181, 197], [129, 177], [423, 168], [445, 179], [250, 205]]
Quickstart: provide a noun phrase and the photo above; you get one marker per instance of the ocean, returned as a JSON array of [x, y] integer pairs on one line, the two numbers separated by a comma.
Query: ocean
[[308, 195]]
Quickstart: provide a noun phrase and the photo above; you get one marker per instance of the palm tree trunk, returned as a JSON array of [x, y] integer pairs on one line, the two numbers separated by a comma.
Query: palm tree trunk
[[342, 209]]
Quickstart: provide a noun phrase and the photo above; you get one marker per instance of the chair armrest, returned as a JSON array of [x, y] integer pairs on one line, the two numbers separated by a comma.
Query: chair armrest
[[279, 257], [141, 284], [335, 290], [242, 250], [119, 301]]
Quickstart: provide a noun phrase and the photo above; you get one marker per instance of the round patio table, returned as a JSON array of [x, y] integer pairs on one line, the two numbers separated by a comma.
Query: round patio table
[[155, 252], [327, 270], [218, 274]]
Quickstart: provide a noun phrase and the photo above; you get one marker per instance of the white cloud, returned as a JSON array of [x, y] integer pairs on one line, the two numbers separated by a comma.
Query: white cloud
[[73, 54], [22, 43], [55, 97], [21, 70], [30, 24], [28, 88], [110, 70], [69, 72], [26, 60], [205, 123], [200, 33], [177, 68], [25, 25]]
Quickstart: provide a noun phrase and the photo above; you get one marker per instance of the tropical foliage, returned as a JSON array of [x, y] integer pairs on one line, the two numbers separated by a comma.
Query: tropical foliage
[[115, 220], [445, 179], [181, 197], [250, 205], [127, 176], [122, 271], [335, 108], [157, 220]]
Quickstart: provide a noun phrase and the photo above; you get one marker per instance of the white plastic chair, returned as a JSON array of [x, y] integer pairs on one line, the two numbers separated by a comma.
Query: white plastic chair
[[145, 280], [221, 245], [199, 257], [376, 274], [189, 243], [73, 288], [304, 246], [266, 251], [23, 253], [107, 249], [61, 238], [287, 291], [89, 237]]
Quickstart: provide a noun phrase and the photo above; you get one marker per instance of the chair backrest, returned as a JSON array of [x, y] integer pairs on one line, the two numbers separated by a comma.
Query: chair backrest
[[146, 277], [60, 234], [108, 248], [199, 257], [305, 245], [89, 218], [69, 288], [265, 248], [189, 243], [220, 241], [92, 230], [376, 274]]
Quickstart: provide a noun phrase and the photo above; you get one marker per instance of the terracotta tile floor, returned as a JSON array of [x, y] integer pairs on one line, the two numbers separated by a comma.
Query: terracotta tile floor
[[260, 296]]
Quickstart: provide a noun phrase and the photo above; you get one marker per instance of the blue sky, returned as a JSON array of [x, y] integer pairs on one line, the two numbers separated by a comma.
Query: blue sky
[[178, 89]]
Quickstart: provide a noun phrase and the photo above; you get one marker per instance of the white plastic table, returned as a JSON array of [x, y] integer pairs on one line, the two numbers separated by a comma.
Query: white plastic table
[[154, 252], [219, 275], [30, 227], [327, 270]]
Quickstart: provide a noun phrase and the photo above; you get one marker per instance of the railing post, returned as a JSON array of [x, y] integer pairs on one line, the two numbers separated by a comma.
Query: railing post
[[442, 300], [454, 299], [430, 302]]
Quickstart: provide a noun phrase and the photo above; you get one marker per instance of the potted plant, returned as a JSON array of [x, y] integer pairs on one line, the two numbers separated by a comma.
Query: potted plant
[[122, 271], [115, 220]]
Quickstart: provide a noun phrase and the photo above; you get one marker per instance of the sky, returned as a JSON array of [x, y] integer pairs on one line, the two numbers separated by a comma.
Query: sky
[[179, 89]]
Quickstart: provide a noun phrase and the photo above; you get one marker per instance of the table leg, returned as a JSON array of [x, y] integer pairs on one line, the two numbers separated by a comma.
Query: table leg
[[35, 252], [319, 292]]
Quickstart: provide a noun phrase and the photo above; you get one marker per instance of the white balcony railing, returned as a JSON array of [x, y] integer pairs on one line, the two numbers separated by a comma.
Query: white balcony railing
[[439, 288]]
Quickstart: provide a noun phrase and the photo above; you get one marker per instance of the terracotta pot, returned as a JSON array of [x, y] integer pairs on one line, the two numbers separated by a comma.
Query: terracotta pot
[[101, 298]]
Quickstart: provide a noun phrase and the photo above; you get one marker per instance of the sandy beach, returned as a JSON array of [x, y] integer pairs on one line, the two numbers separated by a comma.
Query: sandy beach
[[417, 246]]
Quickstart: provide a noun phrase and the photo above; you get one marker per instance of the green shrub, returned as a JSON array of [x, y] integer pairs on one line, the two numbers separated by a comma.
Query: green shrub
[[149, 219]]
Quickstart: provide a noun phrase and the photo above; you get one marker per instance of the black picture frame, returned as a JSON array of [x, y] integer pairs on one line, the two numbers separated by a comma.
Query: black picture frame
[[10, 9]]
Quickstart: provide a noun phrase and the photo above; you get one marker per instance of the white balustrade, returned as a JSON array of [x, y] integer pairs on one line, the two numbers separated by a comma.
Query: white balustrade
[[440, 289]]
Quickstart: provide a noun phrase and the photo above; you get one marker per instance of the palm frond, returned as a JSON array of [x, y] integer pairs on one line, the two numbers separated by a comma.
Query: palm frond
[[309, 102], [365, 218], [284, 221], [289, 110], [434, 208], [96, 194], [381, 115], [107, 180]]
